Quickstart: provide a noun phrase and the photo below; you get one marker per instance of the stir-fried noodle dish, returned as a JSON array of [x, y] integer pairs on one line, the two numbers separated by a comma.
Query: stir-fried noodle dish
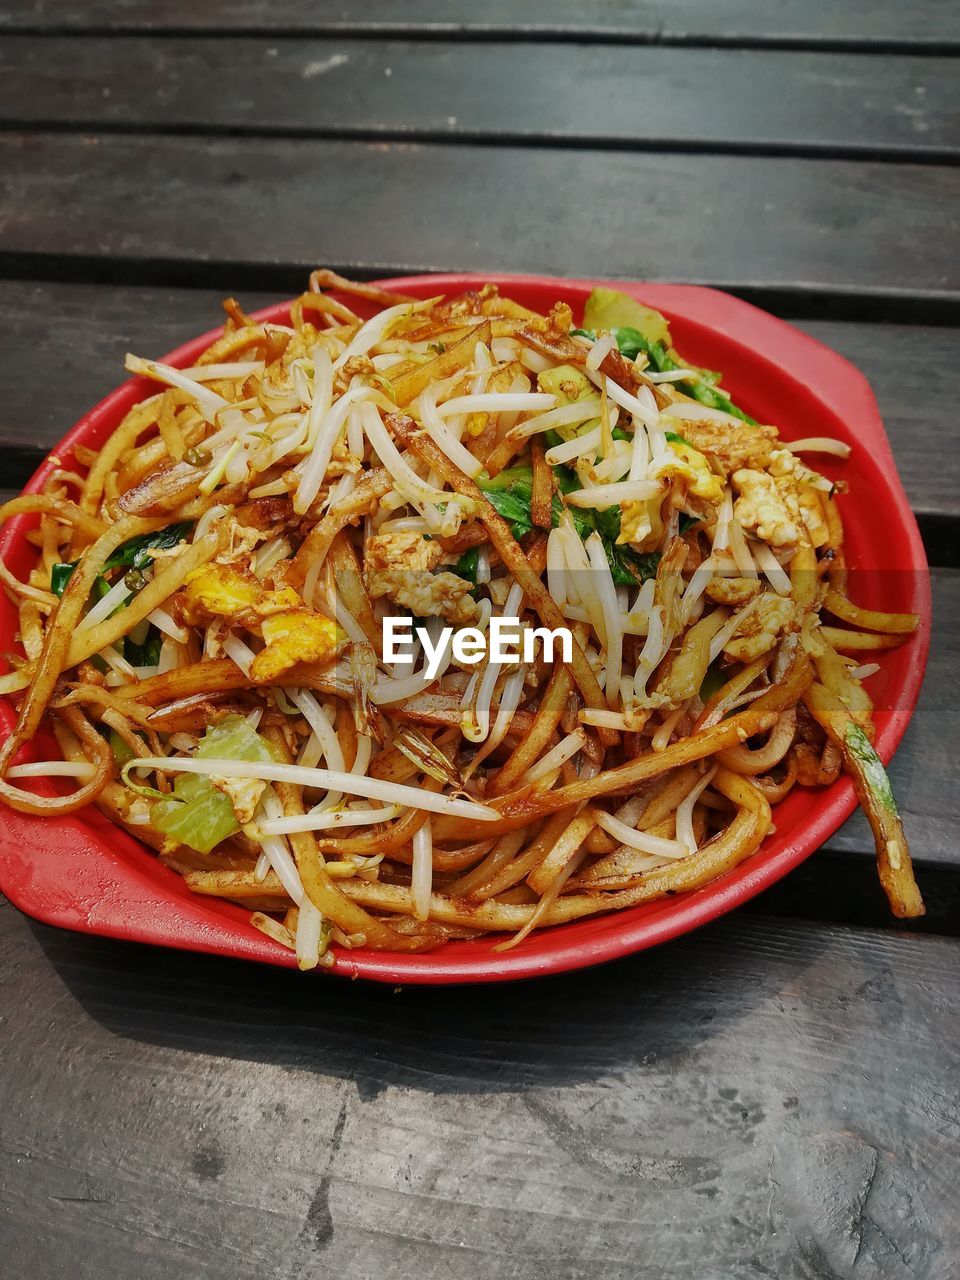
[[205, 627]]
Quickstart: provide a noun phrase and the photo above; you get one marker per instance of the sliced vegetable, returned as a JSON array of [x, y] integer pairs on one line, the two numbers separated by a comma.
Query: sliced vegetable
[[713, 681], [568, 383], [60, 576], [196, 813], [145, 652], [121, 751], [509, 493]]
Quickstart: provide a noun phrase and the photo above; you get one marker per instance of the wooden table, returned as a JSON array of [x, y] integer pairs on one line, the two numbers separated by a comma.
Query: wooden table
[[776, 1096]]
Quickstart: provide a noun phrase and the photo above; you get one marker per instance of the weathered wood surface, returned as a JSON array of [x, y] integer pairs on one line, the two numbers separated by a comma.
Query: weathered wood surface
[[766, 1099], [914, 371], [252, 209], [67, 342], [611, 95], [817, 23]]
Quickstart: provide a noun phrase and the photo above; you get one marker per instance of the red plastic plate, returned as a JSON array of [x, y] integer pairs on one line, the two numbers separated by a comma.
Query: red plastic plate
[[84, 873]]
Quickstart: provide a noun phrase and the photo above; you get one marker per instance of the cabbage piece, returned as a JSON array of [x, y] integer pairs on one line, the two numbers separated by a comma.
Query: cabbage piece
[[196, 813], [610, 309], [569, 385]]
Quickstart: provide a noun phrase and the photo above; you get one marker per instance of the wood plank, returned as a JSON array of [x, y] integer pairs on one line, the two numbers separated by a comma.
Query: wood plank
[[764, 1098], [268, 209], [837, 888], [817, 23], [914, 370], [702, 99]]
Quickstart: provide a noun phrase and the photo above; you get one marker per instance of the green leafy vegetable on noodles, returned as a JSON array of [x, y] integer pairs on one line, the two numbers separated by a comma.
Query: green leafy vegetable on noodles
[[713, 681], [121, 752], [631, 342], [143, 652], [611, 309], [468, 564], [510, 493], [134, 554], [638, 328], [60, 576]]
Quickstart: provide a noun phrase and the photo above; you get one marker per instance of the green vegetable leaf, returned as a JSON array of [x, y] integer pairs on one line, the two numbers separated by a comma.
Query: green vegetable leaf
[[510, 493], [631, 342], [196, 813], [514, 509], [146, 652], [466, 567], [713, 681], [135, 554], [60, 576], [121, 752]]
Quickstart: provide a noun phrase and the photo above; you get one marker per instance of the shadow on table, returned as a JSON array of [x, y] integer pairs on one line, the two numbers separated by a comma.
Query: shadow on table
[[663, 1004]]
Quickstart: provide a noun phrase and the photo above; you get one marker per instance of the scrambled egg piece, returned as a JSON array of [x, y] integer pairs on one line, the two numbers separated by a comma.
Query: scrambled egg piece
[[732, 592], [297, 635], [734, 445], [802, 500], [401, 549], [761, 510], [243, 793], [760, 629], [231, 591], [693, 467], [442, 594], [400, 565], [641, 524]]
